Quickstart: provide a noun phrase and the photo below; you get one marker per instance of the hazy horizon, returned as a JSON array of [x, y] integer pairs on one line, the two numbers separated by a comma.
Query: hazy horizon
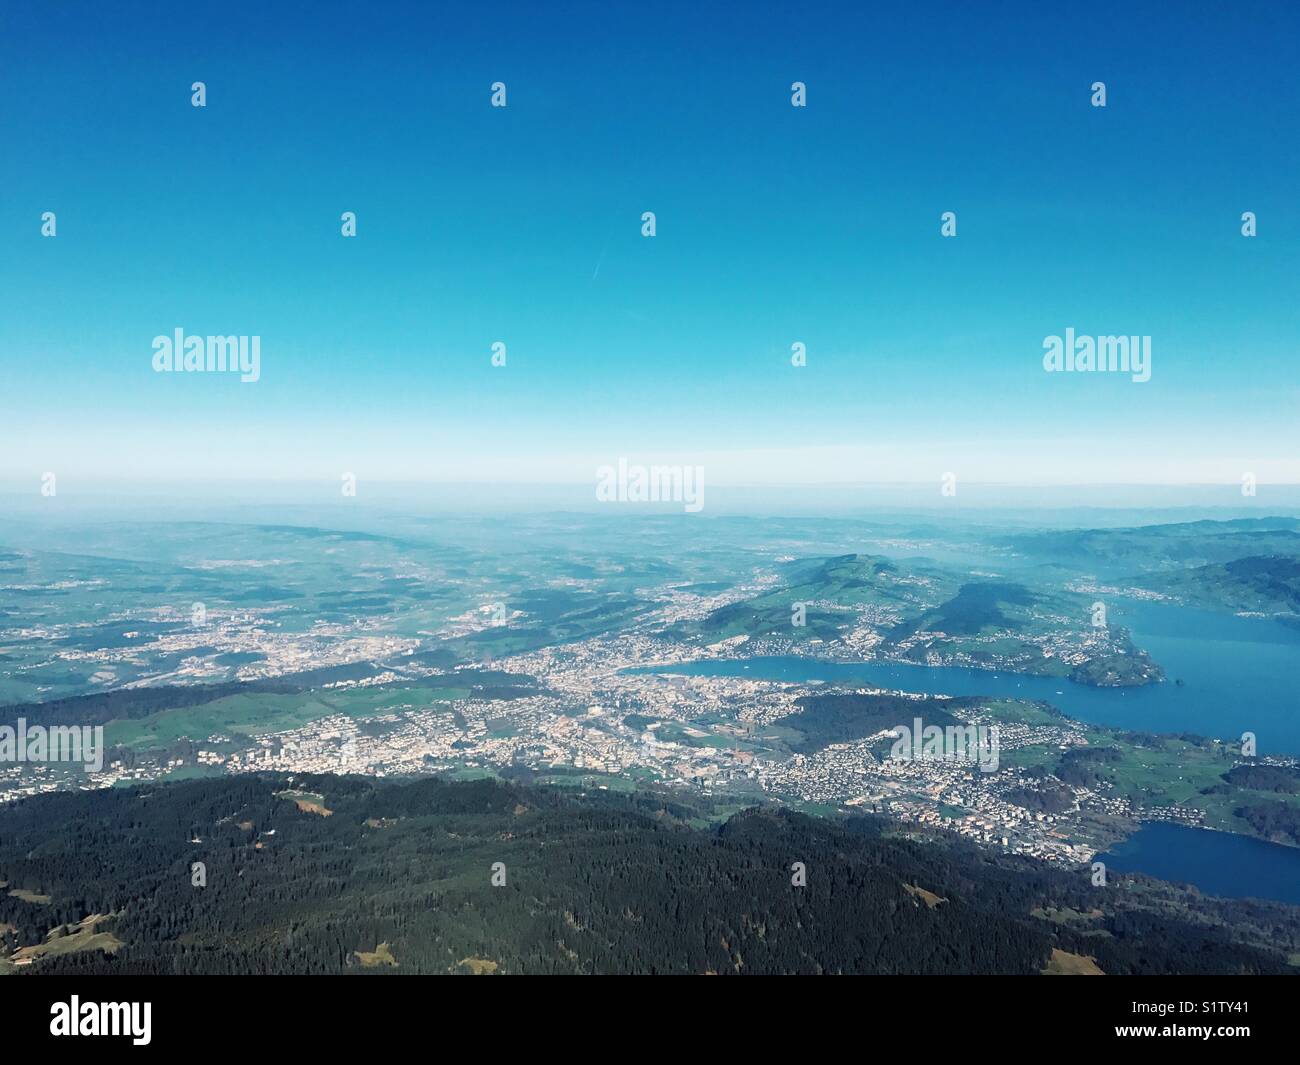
[[321, 502]]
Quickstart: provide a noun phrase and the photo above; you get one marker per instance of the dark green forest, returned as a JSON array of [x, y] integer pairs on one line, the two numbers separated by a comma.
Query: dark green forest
[[594, 883], [1277, 821], [841, 717]]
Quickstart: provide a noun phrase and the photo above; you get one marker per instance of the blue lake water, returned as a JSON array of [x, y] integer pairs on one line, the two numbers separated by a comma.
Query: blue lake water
[[1238, 675], [1216, 862]]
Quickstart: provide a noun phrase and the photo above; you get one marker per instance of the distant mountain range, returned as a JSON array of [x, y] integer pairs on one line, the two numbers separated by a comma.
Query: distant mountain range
[[1260, 583], [923, 611], [1195, 543]]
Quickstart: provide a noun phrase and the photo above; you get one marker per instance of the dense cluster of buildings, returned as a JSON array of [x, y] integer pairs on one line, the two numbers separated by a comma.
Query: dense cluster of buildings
[[602, 706]]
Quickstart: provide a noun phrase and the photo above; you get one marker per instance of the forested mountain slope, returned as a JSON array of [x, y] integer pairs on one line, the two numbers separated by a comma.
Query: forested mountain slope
[[332, 874]]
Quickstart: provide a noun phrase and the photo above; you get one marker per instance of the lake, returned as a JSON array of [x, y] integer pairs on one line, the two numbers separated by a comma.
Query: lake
[[1239, 675], [1218, 863]]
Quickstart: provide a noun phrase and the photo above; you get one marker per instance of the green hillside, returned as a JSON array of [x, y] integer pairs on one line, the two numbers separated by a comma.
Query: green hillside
[[392, 877]]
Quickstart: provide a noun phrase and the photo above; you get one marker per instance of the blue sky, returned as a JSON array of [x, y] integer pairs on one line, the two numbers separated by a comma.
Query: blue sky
[[775, 224]]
